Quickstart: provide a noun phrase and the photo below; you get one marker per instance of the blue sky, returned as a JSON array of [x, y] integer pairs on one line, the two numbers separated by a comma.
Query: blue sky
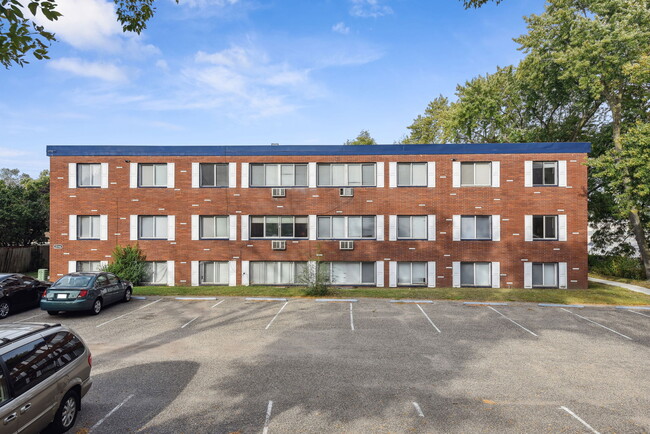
[[237, 72]]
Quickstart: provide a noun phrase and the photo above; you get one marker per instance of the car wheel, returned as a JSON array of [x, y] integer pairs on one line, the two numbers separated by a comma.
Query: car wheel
[[53, 312], [67, 413], [127, 295], [97, 306], [5, 308]]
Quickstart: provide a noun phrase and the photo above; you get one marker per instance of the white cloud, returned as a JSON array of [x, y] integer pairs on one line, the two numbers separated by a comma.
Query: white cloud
[[341, 28], [9, 153], [103, 71], [207, 3], [162, 64], [369, 9]]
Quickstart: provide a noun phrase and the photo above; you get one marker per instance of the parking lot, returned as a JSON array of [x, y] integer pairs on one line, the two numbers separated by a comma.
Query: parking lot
[[226, 365]]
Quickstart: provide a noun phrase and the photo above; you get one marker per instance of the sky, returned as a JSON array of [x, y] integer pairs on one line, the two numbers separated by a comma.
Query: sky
[[242, 72]]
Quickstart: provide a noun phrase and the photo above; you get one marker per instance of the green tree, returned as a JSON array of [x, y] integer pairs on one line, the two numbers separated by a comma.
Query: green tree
[[24, 209], [431, 126], [362, 139], [128, 263], [478, 3]]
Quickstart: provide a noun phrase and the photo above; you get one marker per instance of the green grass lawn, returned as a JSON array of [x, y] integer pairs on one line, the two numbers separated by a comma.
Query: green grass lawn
[[644, 283], [596, 294]]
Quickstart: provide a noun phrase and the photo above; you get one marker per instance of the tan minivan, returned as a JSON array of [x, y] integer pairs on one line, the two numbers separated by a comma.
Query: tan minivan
[[44, 373]]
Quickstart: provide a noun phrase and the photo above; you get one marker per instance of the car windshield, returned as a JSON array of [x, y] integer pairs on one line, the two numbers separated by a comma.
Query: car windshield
[[4, 276], [73, 281]]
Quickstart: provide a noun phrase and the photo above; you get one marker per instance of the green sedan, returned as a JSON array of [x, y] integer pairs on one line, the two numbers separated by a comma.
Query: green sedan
[[85, 291]]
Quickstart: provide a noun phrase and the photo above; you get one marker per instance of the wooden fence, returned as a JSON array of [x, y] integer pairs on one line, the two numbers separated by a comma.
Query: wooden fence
[[22, 259]]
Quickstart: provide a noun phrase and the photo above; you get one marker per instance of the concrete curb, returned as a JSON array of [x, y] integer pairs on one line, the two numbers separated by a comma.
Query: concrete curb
[[411, 301], [334, 300], [579, 306], [634, 307], [484, 303], [195, 298], [264, 299]]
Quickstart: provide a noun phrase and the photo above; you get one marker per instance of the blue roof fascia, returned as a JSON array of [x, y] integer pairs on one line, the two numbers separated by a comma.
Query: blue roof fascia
[[442, 149]]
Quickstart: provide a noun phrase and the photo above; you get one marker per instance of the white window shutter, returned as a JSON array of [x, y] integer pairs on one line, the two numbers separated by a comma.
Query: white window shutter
[[392, 174], [496, 228], [103, 264], [496, 174], [496, 275], [431, 227], [312, 173], [195, 227], [194, 273], [232, 220], [528, 228], [104, 174], [431, 274], [72, 227], [313, 227], [431, 174], [244, 175], [170, 175], [171, 227], [392, 228], [171, 279], [392, 274], [232, 273], [72, 175], [561, 227], [528, 173], [380, 227], [245, 280], [562, 275], [133, 175], [196, 169], [134, 227], [561, 173], [72, 266], [244, 228], [232, 175], [455, 274], [455, 169], [380, 174], [528, 274], [103, 227], [379, 267], [456, 228]]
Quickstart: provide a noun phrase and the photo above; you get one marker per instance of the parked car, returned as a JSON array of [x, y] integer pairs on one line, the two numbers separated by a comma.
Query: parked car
[[85, 291], [44, 373], [18, 291]]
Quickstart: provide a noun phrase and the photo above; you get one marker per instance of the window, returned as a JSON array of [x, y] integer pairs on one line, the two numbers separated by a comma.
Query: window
[[152, 227], [352, 273], [475, 274], [412, 273], [545, 274], [152, 175], [278, 175], [65, 347], [89, 175], [544, 227], [476, 174], [345, 227], [412, 174], [213, 175], [277, 273], [155, 273], [213, 273], [83, 266], [412, 227], [346, 175], [29, 364], [88, 227], [544, 173], [102, 281], [212, 227], [278, 227], [4, 390], [476, 227]]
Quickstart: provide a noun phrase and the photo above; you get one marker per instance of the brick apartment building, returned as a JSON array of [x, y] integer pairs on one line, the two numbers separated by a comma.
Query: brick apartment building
[[485, 215]]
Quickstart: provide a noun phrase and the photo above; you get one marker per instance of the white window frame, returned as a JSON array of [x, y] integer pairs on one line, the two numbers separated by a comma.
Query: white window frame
[[346, 226], [410, 265], [201, 224], [224, 279], [545, 238], [474, 163], [216, 167], [346, 175], [544, 164], [463, 238], [156, 167], [410, 217], [374, 273], [295, 271], [556, 265], [155, 217], [279, 236], [95, 223], [267, 166], [79, 266], [411, 184], [154, 282], [98, 183], [489, 285]]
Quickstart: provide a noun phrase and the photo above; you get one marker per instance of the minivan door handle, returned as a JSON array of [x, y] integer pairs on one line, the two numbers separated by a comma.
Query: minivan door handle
[[9, 418], [25, 407]]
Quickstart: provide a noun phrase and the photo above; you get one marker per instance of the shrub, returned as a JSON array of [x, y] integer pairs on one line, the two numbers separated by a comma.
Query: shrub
[[315, 277], [617, 266], [128, 263]]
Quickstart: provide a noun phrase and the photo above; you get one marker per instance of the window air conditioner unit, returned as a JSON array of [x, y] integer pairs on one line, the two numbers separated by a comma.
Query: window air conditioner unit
[[278, 192], [346, 245], [279, 245], [346, 192]]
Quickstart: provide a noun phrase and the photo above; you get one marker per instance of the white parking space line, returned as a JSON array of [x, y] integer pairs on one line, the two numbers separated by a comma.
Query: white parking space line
[[189, 322], [579, 420], [598, 324], [513, 321], [351, 317], [217, 304], [434, 326], [101, 421], [34, 316], [268, 417], [276, 315], [418, 409], [128, 313], [639, 313]]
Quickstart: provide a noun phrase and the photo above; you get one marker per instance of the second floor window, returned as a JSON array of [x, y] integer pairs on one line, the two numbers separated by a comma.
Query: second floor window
[[476, 227], [412, 174], [544, 173], [346, 227], [346, 175], [213, 175], [476, 174], [412, 227], [152, 175], [88, 227], [278, 175], [278, 227], [89, 175], [153, 227], [212, 227], [544, 227]]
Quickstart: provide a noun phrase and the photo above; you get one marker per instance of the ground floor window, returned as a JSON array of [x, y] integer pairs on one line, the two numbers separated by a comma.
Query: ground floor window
[[412, 273], [475, 274], [545, 274], [214, 273], [276, 273], [352, 273], [155, 273], [88, 266]]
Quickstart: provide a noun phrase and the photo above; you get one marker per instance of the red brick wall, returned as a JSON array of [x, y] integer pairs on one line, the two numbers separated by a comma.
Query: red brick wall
[[514, 201]]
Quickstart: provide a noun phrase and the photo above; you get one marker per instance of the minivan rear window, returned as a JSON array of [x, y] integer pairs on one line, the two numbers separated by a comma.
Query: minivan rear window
[[65, 346], [73, 281], [29, 364]]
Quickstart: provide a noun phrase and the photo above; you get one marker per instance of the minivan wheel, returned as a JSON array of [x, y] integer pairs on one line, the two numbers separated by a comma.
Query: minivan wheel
[[5, 308], [127, 295], [67, 413], [97, 306]]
